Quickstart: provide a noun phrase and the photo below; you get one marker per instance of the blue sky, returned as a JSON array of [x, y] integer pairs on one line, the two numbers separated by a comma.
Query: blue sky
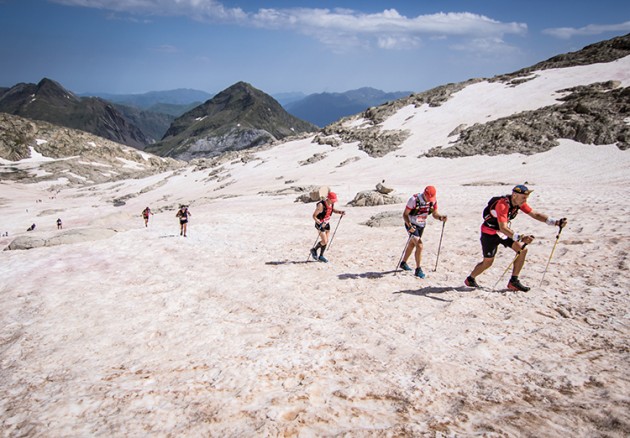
[[135, 46]]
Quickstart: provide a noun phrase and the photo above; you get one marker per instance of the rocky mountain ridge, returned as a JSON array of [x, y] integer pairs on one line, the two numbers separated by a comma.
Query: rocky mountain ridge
[[240, 117], [73, 155], [49, 101], [584, 116]]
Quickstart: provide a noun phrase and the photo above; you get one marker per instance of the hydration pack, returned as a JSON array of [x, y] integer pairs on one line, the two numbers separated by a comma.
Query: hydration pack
[[491, 221]]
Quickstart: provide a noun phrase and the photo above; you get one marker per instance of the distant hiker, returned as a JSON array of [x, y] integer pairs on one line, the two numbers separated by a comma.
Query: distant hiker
[[497, 216], [145, 215], [321, 215], [418, 208], [183, 214], [59, 225], [31, 228]]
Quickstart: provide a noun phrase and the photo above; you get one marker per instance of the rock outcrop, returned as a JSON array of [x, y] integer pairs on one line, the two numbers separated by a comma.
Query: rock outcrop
[[76, 156], [370, 198], [595, 114], [374, 140], [65, 237]]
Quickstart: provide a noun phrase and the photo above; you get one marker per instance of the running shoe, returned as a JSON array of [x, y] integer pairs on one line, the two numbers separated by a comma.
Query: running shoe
[[516, 285], [470, 282], [404, 266]]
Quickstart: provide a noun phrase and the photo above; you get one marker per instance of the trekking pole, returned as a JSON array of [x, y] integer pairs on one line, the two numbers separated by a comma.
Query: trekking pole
[[403, 254], [439, 247], [334, 232], [509, 266], [551, 255]]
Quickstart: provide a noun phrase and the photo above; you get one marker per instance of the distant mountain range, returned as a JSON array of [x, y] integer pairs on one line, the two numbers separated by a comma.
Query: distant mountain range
[[239, 117], [324, 108], [242, 117], [174, 102], [319, 109]]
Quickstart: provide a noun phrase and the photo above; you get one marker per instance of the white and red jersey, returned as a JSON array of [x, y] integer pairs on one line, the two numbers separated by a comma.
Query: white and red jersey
[[419, 209]]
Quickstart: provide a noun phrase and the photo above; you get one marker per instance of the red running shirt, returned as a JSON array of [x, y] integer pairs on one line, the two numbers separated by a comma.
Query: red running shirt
[[501, 211]]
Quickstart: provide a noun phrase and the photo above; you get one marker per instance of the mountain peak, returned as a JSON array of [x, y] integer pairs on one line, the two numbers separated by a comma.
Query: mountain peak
[[53, 89], [239, 117], [49, 101]]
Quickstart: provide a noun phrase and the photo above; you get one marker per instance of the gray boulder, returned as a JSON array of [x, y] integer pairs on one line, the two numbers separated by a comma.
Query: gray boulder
[[386, 219], [66, 237], [370, 198], [26, 242], [382, 189]]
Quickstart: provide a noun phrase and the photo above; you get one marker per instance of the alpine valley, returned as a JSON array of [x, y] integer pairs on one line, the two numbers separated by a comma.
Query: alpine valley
[[113, 327]]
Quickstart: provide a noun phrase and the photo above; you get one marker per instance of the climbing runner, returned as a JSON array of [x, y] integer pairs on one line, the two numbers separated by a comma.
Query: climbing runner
[[145, 215], [321, 215], [183, 214], [497, 216], [418, 208]]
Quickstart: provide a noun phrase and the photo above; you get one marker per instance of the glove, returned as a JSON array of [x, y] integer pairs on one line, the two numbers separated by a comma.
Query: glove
[[562, 222]]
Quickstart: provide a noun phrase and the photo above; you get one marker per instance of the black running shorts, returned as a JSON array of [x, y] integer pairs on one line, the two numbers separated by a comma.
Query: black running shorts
[[490, 243], [322, 227], [417, 232]]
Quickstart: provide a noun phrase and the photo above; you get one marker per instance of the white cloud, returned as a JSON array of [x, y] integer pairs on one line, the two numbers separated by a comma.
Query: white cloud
[[334, 27], [397, 42], [591, 29], [196, 9]]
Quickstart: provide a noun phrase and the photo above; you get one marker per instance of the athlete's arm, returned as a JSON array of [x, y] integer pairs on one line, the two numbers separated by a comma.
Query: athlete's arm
[[406, 217], [502, 211], [505, 229], [538, 216], [548, 220], [317, 211], [439, 216]]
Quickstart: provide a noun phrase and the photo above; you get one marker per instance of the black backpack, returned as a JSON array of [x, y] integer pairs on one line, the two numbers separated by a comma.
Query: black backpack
[[491, 221]]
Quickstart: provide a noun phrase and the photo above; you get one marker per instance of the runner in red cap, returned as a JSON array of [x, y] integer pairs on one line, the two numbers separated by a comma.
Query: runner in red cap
[[497, 217], [322, 214], [415, 216]]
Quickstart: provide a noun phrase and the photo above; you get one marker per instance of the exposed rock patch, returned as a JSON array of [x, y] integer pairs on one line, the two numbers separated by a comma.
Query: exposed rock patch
[[65, 237], [315, 194], [604, 51], [386, 219], [594, 114], [348, 161], [77, 156], [370, 198], [314, 159], [372, 139]]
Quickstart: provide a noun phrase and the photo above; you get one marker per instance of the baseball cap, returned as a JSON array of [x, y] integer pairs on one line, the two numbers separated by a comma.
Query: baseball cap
[[429, 193], [522, 189], [332, 197]]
